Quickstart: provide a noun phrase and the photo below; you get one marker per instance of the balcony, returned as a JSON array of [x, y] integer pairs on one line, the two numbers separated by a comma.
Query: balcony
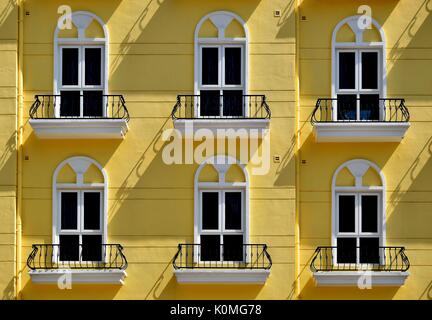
[[68, 116], [347, 119], [215, 111], [247, 264], [381, 266], [50, 263]]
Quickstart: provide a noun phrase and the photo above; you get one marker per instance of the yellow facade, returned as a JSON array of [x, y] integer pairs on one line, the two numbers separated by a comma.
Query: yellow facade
[[150, 205]]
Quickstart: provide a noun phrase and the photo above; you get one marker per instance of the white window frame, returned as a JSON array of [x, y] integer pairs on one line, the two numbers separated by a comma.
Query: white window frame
[[221, 20], [358, 167], [81, 20], [359, 46], [222, 164], [79, 165]]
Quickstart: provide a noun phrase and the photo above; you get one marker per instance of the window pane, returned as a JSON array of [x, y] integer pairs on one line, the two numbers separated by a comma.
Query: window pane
[[93, 60], [69, 248], [233, 103], [347, 66], [233, 210], [369, 70], [70, 103], [347, 213], [210, 210], [346, 250], [233, 248], [69, 210], [210, 248], [93, 103], [210, 103], [92, 248], [70, 66], [369, 107], [233, 66], [369, 211], [210, 66], [369, 250], [346, 107], [92, 210]]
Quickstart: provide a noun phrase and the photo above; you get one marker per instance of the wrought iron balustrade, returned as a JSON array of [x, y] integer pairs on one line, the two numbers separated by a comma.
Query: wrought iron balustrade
[[226, 106], [329, 258], [364, 109], [246, 256], [93, 107], [55, 256]]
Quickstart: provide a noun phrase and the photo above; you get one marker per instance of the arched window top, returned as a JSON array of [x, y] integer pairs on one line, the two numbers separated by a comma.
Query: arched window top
[[352, 30], [86, 25], [358, 173], [221, 169], [80, 170], [221, 25]]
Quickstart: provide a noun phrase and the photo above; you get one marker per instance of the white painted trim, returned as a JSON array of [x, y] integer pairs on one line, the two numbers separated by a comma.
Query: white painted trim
[[226, 276], [214, 125], [360, 131], [80, 165], [221, 163], [358, 167], [78, 276], [353, 278], [80, 128]]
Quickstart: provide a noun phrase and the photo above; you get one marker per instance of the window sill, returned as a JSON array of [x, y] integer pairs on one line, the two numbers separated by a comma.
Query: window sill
[[79, 128], [353, 278], [79, 276], [225, 276], [360, 131], [214, 124]]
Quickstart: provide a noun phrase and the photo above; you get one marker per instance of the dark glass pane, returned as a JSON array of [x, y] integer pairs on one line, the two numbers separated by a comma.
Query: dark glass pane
[[70, 66], [347, 66], [346, 250], [369, 211], [233, 66], [346, 107], [210, 210], [369, 250], [346, 213], [210, 66], [93, 103], [93, 66], [369, 107], [210, 248], [233, 103], [369, 70], [92, 210], [233, 210], [69, 210], [69, 248], [233, 248], [70, 103], [92, 248], [210, 103]]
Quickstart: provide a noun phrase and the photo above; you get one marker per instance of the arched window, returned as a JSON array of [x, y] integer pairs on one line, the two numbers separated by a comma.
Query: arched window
[[80, 209], [81, 65], [221, 209], [358, 70], [221, 65], [358, 217]]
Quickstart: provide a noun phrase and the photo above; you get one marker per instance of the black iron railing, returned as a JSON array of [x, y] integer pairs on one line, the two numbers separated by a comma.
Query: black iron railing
[[68, 107], [348, 109], [246, 256], [221, 107], [359, 259], [54, 256]]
